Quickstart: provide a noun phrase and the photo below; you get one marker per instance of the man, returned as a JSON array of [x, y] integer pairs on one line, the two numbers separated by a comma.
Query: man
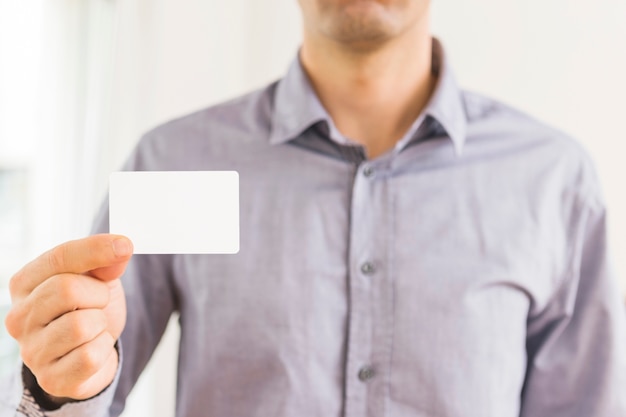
[[407, 249]]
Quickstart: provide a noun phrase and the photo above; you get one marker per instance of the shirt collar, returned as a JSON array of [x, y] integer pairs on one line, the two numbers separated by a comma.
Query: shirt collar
[[446, 105], [297, 107]]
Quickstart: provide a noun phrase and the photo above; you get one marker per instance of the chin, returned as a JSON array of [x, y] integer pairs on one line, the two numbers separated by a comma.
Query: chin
[[363, 21]]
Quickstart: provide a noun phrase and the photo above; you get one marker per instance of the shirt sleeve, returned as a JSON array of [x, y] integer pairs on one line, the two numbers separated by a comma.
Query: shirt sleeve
[[577, 346]]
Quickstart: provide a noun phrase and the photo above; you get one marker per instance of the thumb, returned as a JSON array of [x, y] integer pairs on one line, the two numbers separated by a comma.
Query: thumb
[[123, 247]]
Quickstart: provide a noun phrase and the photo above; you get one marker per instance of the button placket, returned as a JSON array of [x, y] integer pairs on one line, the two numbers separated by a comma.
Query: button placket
[[369, 208]]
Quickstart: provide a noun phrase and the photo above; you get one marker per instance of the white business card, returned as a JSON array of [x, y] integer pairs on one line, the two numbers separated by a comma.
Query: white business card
[[176, 212]]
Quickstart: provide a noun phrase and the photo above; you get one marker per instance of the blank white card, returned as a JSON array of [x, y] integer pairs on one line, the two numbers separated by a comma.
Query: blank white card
[[176, 212]]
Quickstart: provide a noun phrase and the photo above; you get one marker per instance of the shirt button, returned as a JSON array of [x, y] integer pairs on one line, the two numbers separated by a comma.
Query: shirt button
[[368, 268], [366, 373], [368, 171]]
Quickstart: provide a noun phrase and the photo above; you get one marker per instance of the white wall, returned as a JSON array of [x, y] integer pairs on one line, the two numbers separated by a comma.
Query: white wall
[[174, 57]]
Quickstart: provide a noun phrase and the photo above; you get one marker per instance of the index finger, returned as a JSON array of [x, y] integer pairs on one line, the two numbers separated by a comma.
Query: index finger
[[76, 256]]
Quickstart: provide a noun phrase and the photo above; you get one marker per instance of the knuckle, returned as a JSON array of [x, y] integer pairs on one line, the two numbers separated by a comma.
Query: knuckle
[[86, 325], [15, 283], [89, 360], [13, 324], [67, 287], [29, 356], [17, 321], [50, 384], [78, 329]]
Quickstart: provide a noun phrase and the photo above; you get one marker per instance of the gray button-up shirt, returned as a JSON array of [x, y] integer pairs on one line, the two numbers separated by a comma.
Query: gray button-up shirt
[[462, 274]]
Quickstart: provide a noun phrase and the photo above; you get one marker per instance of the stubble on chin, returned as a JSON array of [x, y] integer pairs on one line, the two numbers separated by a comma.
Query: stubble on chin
[[359, 23]]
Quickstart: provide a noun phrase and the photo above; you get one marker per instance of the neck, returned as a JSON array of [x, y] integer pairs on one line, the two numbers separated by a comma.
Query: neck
[[372, 94]]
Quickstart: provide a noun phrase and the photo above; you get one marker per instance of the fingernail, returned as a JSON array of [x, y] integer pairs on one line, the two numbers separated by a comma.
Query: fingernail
[[122, 247]]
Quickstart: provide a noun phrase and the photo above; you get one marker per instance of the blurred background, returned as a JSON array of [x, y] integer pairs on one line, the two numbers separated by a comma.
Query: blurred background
[[82, 80]]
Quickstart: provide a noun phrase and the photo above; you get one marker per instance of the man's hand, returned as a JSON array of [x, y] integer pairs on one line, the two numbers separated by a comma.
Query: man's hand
[[68, 311]]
